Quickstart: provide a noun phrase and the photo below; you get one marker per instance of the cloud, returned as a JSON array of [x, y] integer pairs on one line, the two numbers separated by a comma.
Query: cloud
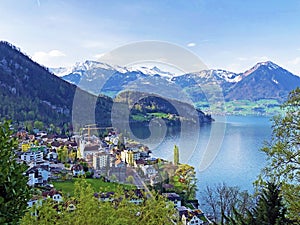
[[47, 58], [191, 44], [295, 61], [99, 56]]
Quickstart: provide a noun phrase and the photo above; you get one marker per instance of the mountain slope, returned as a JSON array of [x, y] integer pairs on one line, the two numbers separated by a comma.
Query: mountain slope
[[264, 81], [260, 89], [97, 77], [30, 92]]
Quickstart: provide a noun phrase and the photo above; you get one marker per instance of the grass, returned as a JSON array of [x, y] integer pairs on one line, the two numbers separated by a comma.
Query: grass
[[67, 187], [140, 117], [159, 115]]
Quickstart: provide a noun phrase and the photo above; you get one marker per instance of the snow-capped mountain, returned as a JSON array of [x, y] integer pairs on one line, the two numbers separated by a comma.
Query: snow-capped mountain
[[227, 75], [151, 71], [98, 77], [80, 68], [265, 80]]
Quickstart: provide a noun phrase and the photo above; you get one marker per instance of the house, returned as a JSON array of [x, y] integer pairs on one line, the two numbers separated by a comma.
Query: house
[[105, 197], [148, 170], [32, 156], [175, 198], [136, 196], [38, 175], [52, 156], [194, 217], [35, 200], [77, 170], [53, 194], [25, 147]]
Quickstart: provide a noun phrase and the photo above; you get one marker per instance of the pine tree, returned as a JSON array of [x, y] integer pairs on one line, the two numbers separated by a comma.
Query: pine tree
[[176, 155], [270, 209]]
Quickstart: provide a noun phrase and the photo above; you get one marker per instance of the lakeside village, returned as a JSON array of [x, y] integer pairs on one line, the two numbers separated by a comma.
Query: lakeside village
[[111, 158]]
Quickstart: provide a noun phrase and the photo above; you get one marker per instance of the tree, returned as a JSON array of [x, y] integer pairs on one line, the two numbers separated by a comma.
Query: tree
[[176, 155], [62, 153], [269, 209], [222, 200], [38, 125], [283, 154], [89, 210], [14, 192], [185, 181], [130, 180]]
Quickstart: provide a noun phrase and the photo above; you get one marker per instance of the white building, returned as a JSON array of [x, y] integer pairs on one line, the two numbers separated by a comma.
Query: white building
[[148, 170], [101, 160], [129, 156], [37, 175], [32, 156]]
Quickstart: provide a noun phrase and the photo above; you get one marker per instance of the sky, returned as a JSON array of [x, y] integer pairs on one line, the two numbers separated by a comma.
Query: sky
[[232, 35]]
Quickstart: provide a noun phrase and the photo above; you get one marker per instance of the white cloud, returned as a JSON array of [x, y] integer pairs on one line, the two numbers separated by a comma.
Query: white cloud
[[293, 65], [295, 61], [48, 58], [191, 44], [56, 53], [99, 56]]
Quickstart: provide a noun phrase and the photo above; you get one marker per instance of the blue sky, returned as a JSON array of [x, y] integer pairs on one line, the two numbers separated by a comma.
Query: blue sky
[[232, 35]]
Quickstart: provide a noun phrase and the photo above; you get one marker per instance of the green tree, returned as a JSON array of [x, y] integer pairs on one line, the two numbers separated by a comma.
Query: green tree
[[176, 155], [89, 210], [62, 154], [130, 180], [14, 192], [185, 181], [269, 209], [38, 125], [283, 154]]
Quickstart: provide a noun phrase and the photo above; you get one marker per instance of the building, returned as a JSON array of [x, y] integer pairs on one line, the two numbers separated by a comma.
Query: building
[[53, 194], [101, 160], [148, 170], [130, 156], [32, 156], [175, 198], [38, 175]]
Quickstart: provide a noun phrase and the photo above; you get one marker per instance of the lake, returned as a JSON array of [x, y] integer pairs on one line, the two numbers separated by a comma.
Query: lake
[[228, 150]]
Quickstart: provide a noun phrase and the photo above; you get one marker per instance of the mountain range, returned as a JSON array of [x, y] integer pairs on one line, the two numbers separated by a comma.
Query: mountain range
[[259, 90], [30, 92]]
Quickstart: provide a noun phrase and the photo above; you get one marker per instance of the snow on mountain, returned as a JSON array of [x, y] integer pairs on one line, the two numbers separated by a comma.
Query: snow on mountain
[[227, 75], [151, 71], [61, 71], [268, 64], [80, 67], [223, 75]]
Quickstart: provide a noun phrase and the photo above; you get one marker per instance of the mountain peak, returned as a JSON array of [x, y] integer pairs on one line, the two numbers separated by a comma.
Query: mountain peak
[[268, 64]]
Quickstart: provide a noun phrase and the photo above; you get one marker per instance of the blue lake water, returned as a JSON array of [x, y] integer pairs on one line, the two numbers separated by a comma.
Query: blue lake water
[[227, 151]]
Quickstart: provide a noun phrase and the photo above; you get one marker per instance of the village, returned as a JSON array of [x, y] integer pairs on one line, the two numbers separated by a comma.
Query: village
[[109, 157]]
